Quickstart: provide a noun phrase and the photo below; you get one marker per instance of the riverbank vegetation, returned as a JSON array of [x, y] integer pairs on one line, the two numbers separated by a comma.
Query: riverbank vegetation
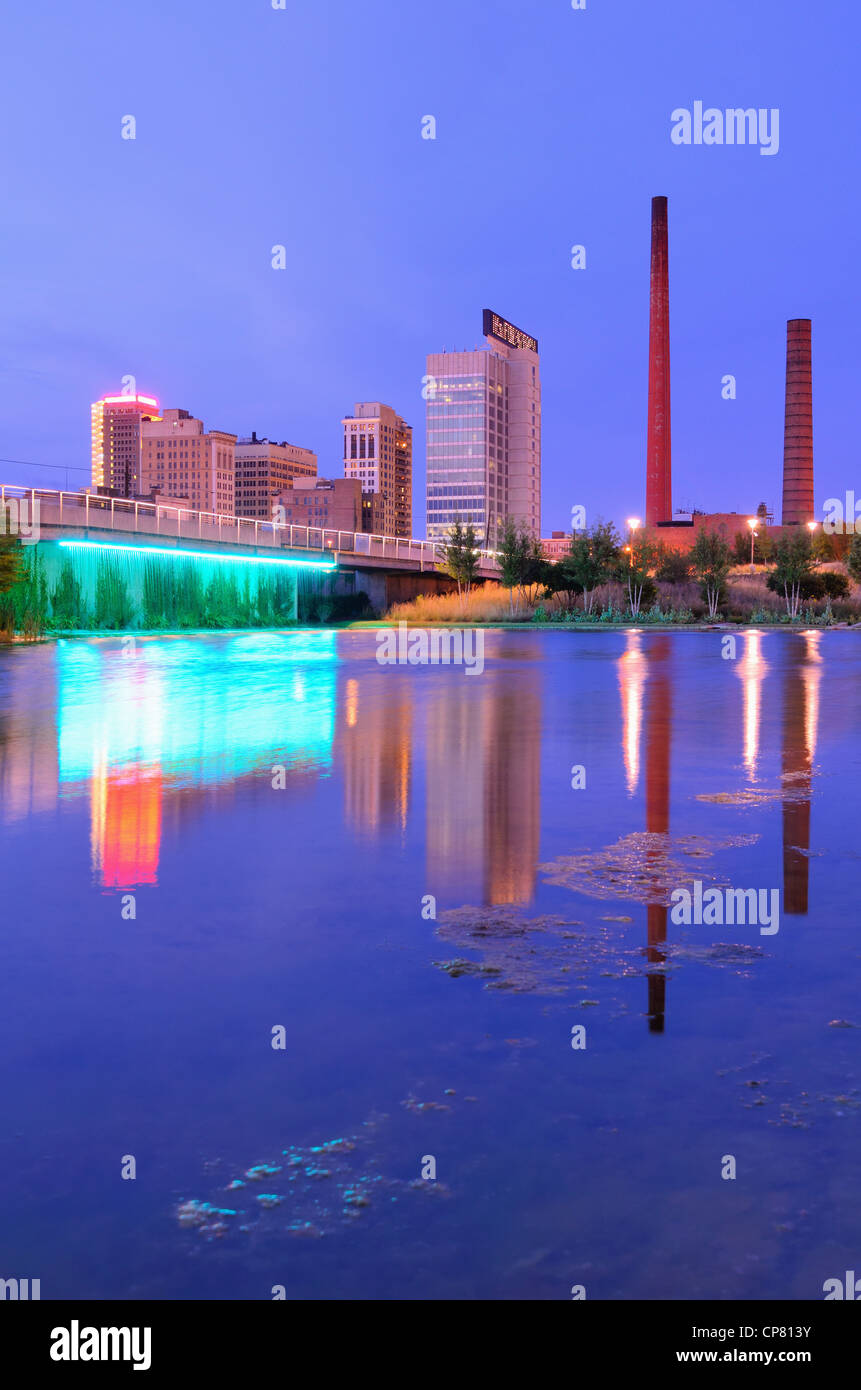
[[797, 579]]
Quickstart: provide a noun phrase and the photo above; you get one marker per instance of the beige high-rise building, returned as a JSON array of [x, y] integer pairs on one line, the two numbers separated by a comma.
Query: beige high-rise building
[[378, 450], [484, 434], [264, 469], [115, 429], [182, 459]]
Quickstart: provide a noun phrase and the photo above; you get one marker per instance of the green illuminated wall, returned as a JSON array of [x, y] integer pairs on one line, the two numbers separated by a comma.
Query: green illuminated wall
[[101, 590]]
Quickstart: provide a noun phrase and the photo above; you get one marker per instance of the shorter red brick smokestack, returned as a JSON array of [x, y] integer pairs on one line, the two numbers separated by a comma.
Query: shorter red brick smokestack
[[798, 506]]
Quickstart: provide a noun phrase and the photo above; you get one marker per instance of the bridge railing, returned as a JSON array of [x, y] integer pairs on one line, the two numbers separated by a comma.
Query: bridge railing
[[95, 512]]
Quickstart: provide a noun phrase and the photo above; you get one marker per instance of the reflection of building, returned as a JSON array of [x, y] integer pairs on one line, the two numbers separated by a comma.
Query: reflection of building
[[374, 741], [126, 826], [29, 781], [802, 675], [484, 789], [179, 720]]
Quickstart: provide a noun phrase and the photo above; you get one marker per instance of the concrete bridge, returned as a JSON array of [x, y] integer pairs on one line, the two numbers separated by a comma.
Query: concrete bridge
[[389, 569]]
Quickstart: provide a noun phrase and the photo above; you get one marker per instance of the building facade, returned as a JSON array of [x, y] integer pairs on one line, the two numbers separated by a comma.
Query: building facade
[[378, 451], [182, 459], [484, 435], [115, 430], [335, 504], [556, 545], [264, 469]]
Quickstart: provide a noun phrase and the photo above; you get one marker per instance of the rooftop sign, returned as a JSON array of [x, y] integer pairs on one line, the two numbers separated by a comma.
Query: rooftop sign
[[496, 327]]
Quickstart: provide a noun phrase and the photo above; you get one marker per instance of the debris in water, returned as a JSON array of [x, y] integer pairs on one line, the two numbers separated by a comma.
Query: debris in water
[[261, 1170], [321, 1199], [644, 867]]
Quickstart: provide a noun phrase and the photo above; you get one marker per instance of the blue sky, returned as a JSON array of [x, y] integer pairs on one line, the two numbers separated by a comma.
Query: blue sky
[[302, 127]]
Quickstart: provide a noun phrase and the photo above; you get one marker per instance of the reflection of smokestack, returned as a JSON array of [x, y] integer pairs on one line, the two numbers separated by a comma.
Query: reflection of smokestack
[[659, 713], [659, 504], [798, 427], [797, 764]]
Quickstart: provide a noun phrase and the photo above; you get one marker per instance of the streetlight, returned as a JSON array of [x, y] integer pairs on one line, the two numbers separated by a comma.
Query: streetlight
[[633, 523], [752, 521]]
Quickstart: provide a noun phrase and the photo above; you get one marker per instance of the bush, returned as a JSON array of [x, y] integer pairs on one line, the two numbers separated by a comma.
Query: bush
[[811, 586], [836, 583], [674, 567]]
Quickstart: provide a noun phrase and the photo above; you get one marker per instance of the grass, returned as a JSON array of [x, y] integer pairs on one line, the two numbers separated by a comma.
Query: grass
[[748, 599]]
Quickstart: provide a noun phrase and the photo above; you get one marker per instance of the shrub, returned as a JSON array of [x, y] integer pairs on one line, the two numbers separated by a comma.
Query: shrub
[[674, 567]]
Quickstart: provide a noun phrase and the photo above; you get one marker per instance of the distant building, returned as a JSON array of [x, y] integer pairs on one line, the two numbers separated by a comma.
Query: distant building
[[556, 545], [182, 459], [484, 434], [115, 428], [378, 450], [335, 504], [264, 469], [373, 514], [681, 533]]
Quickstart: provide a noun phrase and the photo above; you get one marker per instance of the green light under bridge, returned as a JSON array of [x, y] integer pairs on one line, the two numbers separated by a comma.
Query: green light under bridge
[[176, 553]]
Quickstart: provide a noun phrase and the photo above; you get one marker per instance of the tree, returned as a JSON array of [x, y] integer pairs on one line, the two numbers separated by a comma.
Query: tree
[[511, 556], [11, 565], [793, 555], [711, 560], [643, 554], [591, 558], [763, 547], [460, 556], [823, 546], [854, 558], [521, 559], [674, 567]]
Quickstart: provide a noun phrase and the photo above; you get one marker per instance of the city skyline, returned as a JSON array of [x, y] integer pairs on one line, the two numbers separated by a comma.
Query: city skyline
[[754, 241]]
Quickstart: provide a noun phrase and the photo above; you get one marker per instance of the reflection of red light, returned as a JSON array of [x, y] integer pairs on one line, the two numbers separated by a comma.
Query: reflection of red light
[[131, 831]]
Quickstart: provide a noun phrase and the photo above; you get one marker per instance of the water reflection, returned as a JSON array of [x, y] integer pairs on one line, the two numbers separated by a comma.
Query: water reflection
[[801, 678], [483, 788], [152, 736], [632, 677], [659, 717], [752, 670]]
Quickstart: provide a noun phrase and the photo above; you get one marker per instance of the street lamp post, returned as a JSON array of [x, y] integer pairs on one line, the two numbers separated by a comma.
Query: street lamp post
[[753, 534], [633, 523]]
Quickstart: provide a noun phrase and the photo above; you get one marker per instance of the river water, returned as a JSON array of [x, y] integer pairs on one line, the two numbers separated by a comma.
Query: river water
[[276, 915]]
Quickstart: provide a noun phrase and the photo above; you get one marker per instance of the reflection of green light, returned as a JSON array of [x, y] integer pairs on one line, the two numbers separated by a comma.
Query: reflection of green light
[[174, 552], [199, 711]]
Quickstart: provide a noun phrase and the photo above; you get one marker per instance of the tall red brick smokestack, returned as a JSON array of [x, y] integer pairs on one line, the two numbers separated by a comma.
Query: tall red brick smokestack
[[659, 499], [798, 428]]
